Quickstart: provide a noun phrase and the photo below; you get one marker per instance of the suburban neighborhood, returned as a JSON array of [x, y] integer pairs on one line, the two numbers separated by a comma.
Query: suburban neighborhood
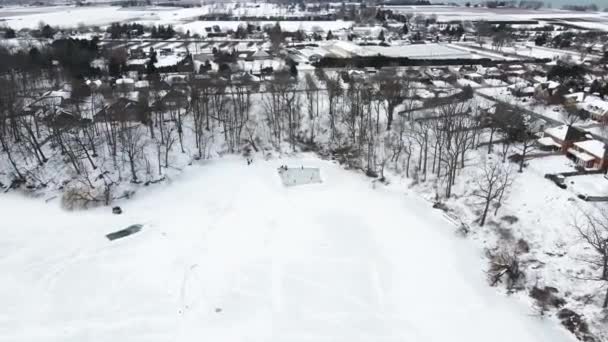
[[314, 164]]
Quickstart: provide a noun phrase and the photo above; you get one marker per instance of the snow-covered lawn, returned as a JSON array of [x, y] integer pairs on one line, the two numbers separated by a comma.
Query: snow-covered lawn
[[227, 253], [551, 164], [591, 185]]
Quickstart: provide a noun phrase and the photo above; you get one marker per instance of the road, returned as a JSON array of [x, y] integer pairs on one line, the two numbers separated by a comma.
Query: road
[[533, 114]]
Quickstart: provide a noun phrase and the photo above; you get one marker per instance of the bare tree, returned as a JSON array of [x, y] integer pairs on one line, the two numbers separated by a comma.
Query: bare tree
[[239, 104], [312, 105], [593, 230], [334, 94], [500, 39], [491, 185], [581, 45], [393, 90], [132, 143], [528, 142], [456, 129], [280, 102]]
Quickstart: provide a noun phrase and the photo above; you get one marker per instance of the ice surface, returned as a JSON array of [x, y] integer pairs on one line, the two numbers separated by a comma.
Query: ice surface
[[299, 175], [230, 254]]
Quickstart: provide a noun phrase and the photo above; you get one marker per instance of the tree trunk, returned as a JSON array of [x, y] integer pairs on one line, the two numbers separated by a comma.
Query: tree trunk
[[389, 119], [485, 213]]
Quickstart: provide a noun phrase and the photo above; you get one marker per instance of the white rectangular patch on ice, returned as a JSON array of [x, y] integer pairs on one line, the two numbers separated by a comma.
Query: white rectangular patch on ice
[[299, 175]]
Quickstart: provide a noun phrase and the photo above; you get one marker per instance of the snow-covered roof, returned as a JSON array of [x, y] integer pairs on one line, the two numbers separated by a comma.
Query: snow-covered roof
[[125, 81], [142, 84], [98, 63], [527, 90], [578, 97], [169, 60], [424, 94], [558, 132], [595, 105], [141, 61], [548, 141], [517, 72], [260, 54], [518, 85], [96, 83], [440, 84], [494, 82], [593, 147], [586, 157], [59, 93]]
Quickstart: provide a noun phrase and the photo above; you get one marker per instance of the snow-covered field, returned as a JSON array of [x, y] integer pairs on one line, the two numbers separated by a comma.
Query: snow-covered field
[[70, 16], [181, 18], [229, 254], [592, 20], [19, 17]]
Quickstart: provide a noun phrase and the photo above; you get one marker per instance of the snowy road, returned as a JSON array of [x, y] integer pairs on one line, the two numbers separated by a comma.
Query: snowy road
[[228, 254]]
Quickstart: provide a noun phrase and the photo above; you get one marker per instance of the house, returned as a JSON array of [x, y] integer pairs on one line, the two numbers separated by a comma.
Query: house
[[125, 84], [203, 57], [574, 98], [493, 72], [137, 53], [473, 76], [142, 85], [441, 74], [62, 118], [514, 70], [466, 69], [174, 99], [94, 85], [561, 137], [546, 89], [244, 78], [123, 110], [521, 89], [597, 108], [177, 80], [589, 154], [414, 74], [217, 34], [259, 55]]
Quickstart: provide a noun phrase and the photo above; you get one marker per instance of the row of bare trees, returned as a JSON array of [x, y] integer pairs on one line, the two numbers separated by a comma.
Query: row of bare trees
[[379, 120]]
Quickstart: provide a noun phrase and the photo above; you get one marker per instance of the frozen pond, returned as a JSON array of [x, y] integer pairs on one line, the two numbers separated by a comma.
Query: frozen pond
[[229, 254]]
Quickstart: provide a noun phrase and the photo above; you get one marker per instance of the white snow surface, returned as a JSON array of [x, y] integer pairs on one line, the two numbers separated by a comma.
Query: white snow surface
[[227, 253]]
